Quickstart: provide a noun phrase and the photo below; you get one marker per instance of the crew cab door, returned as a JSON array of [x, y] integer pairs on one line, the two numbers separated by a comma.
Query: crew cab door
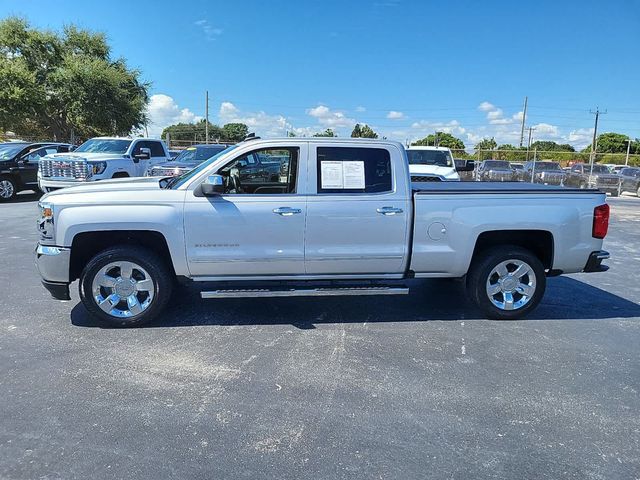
[[256, 227], [358, 210]]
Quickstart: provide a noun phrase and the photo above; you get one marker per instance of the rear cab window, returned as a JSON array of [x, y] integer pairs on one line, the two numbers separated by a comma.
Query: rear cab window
[[353, 170]]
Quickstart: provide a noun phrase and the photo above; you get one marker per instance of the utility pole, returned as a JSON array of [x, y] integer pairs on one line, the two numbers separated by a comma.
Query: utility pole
[[531, 129], [597, 113], [524, 118], [626, 162], [206, 116]]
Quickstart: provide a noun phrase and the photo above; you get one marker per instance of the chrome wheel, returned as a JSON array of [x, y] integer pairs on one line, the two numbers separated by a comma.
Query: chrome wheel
[[123, 289], [511, 284], [6, 189]]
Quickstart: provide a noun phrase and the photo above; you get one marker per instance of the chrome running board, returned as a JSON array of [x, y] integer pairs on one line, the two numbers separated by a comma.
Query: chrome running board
[[305, 292]]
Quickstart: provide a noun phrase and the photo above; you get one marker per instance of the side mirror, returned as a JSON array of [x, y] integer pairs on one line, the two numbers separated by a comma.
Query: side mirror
[[145, 154], [465, 165], [213, 185]]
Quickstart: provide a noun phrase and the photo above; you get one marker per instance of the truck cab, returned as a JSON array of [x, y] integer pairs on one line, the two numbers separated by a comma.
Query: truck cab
[[428, 164]]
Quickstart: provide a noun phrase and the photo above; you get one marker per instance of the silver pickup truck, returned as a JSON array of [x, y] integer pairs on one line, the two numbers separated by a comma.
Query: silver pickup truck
[[334, 217]]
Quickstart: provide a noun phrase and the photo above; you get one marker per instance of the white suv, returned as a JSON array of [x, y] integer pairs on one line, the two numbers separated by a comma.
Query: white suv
[[101, 158], [428, 164]]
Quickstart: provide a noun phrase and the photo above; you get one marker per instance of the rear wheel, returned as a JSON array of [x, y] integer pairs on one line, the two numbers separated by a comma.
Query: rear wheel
[[125, 286], [506, 282], [8, 188]]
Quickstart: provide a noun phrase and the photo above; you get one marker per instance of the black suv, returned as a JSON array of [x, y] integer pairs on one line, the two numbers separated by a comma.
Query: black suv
[[19, 165], [630, 178]]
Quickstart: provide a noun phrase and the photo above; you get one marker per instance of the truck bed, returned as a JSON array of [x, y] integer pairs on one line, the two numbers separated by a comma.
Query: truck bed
[[449, 217]]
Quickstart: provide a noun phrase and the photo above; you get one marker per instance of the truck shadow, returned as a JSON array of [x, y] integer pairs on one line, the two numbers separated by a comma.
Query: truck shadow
[[441, 300]]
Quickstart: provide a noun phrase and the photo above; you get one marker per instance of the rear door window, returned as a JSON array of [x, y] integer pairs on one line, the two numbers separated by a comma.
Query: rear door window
[[353, 170]]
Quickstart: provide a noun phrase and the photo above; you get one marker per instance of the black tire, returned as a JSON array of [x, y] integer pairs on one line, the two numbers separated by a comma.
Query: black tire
[[158, 271], [479, 274], [8, 188]]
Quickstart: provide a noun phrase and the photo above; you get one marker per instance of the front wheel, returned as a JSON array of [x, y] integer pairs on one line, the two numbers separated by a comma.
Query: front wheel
[[506, 282], [125, 286]]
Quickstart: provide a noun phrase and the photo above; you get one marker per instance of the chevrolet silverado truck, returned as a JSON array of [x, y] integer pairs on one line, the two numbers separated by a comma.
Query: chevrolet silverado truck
[[101, 158], [341, 218]]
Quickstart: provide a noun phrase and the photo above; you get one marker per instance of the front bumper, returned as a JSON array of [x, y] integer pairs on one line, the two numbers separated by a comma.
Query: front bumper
[[46, 183], [53, 264], [594, 264]]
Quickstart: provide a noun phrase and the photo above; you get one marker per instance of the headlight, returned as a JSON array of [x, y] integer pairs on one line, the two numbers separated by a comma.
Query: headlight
[[98, 167], [46, 211]]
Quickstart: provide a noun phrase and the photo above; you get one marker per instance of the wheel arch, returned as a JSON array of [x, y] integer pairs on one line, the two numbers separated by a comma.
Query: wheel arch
[[540, 242], [86, 245]]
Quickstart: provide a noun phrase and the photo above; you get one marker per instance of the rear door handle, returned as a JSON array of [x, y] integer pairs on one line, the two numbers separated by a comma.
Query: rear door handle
[[286, 211], [389, 210]]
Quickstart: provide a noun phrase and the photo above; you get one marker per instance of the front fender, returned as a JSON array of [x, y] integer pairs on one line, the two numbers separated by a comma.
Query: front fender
[[165, 219]]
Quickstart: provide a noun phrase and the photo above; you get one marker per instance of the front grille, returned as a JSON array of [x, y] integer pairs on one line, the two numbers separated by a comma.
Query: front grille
[[607, 181], [415, 178], [64, 169]]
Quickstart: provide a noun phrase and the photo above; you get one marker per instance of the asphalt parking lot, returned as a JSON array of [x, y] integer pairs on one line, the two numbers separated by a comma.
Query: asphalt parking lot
[[389, 387]]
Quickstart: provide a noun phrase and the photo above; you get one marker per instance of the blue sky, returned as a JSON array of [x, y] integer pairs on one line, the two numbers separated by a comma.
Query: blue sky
[[404, 67]]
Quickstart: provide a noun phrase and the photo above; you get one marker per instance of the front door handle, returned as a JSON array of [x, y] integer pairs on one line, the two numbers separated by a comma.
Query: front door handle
[[286, 211], [389, 210]]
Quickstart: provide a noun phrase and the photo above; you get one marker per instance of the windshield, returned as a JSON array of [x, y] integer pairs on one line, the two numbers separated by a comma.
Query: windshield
[[196, 155], [496, 164], [7, 152], [440, 158], [547, 166], [597, 169], [101, 145], [176, 182]]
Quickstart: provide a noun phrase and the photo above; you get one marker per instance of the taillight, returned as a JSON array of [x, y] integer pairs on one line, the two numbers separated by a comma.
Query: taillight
[[600, 221]]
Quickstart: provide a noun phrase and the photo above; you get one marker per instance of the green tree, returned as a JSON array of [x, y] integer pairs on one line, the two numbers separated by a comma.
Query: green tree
[[484, 148], [443, 139], [363, 131], [327, 133], [615, 143], [234, 132], [53, 82], [549, 146]]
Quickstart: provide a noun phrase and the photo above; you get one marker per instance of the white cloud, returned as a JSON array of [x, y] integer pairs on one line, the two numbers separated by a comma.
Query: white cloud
[[395, 115], [210, 32], [259, 122], [163, 111], [546, 131], [360, 108], [494, 114], [486, 107], [330, 119], [518, 116], [580, 137]]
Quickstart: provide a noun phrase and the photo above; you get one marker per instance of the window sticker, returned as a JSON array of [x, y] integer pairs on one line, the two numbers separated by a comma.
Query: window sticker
[[347, 175], [331, 174], [353, 175]]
